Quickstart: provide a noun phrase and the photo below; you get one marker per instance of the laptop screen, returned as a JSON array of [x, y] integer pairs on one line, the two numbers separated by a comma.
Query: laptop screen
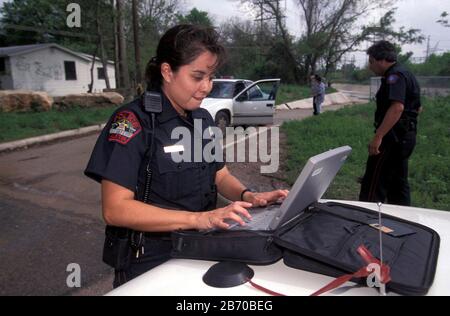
[[311, 184]]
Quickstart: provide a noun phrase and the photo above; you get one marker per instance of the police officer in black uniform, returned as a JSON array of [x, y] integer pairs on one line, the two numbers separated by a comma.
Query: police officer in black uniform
[[146, 194], [398, 107]]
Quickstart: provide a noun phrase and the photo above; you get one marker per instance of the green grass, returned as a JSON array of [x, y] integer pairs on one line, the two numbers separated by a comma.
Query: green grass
[[429, 168], [16, 126], [290, 92]]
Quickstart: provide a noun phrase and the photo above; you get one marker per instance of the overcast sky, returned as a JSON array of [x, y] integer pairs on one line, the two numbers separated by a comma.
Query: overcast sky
[[421, 14]]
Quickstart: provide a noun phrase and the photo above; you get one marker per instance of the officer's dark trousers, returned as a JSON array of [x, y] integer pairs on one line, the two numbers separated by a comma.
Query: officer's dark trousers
[[156, 252], [386, 177]]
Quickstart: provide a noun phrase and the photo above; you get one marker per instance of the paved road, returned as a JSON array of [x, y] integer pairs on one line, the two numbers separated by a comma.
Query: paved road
[[51, 217]]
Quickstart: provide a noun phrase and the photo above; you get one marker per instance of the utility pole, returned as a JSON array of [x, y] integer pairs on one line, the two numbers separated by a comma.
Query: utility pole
[[277, 15], [261, 16], [428, 48], [137, 49], [103, 55]]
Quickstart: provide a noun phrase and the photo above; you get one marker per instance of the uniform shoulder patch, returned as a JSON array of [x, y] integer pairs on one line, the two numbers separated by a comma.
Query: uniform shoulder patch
[[392, 79], [125, 126]]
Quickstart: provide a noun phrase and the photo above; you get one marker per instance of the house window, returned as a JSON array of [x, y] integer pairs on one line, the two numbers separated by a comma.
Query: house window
[[2, 65], [71, 70], [101, 73]]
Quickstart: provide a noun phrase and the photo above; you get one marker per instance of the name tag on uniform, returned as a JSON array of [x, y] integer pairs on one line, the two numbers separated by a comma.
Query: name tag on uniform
[[173, 149], [211, 132]]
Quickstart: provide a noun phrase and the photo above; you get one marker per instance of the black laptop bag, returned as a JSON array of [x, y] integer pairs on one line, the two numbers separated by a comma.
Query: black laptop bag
[[324, 239]]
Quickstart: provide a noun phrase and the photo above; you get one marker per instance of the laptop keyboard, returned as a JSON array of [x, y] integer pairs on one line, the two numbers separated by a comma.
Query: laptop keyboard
[[261, 218]]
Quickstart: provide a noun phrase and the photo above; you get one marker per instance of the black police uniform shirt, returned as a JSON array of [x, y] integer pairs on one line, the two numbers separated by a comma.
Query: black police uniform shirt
[[119, 156], [398, 84]]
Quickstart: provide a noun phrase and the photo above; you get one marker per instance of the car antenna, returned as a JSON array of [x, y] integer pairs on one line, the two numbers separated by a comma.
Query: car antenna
[[382, 285]]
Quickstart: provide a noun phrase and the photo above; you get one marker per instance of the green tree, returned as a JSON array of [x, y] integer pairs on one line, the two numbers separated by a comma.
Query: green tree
[[242, 49], [39, 21], [155, 17], [434, 66], [195, 17], [42, 15]]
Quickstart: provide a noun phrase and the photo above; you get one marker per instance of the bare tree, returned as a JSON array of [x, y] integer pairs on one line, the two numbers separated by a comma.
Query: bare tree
[[331, 28], [158, 15], [269, 35], [101, 45], [116, 44], [124, 72], [94, 58], [335, 28]]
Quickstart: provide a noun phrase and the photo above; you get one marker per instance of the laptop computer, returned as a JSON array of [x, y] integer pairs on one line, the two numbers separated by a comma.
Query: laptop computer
[[309, 187]]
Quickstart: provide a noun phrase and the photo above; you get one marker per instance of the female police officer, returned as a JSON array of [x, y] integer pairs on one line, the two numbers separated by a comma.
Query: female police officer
[[159, 195]]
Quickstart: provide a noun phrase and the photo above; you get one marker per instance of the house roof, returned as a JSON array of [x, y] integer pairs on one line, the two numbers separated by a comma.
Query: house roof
[[25, 49]]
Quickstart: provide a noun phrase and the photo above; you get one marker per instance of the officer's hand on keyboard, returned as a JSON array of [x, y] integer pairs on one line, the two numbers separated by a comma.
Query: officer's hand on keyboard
[[223, 218], [266, 198], [233, 223]]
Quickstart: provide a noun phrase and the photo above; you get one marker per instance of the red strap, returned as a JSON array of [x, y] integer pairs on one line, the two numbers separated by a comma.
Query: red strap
[[263, 289], [363, 273], [370, 259], [341, 280]]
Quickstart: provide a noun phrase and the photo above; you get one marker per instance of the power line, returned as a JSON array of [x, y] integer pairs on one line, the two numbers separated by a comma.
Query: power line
[[47, 31]]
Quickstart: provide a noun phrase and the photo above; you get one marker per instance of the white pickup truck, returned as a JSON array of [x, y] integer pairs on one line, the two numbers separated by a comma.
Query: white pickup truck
[[242, 102]]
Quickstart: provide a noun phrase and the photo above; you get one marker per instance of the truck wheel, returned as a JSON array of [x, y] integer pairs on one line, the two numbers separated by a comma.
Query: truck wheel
[[222, 121]]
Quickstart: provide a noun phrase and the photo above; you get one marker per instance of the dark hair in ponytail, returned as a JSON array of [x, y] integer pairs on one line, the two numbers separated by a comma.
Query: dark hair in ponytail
[[180, 46]]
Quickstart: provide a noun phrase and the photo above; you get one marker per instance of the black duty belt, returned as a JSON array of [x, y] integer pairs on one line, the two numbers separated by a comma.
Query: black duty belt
[[121, 232]]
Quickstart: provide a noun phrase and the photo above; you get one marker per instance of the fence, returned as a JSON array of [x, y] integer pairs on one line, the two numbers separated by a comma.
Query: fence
[[430, 86]]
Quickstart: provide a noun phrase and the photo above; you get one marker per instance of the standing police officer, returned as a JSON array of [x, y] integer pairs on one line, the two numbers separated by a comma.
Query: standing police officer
[[398, 106], [145, 193]]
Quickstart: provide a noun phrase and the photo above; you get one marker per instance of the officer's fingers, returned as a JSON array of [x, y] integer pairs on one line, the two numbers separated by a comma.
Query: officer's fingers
[[242, 211], [260, 202], [374, 152], [242, 204], [235, 217], [259, 199], [282, 194], [222, 225]]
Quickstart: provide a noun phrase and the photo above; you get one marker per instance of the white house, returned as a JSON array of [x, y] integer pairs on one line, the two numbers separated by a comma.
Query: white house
[[51, 68]]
